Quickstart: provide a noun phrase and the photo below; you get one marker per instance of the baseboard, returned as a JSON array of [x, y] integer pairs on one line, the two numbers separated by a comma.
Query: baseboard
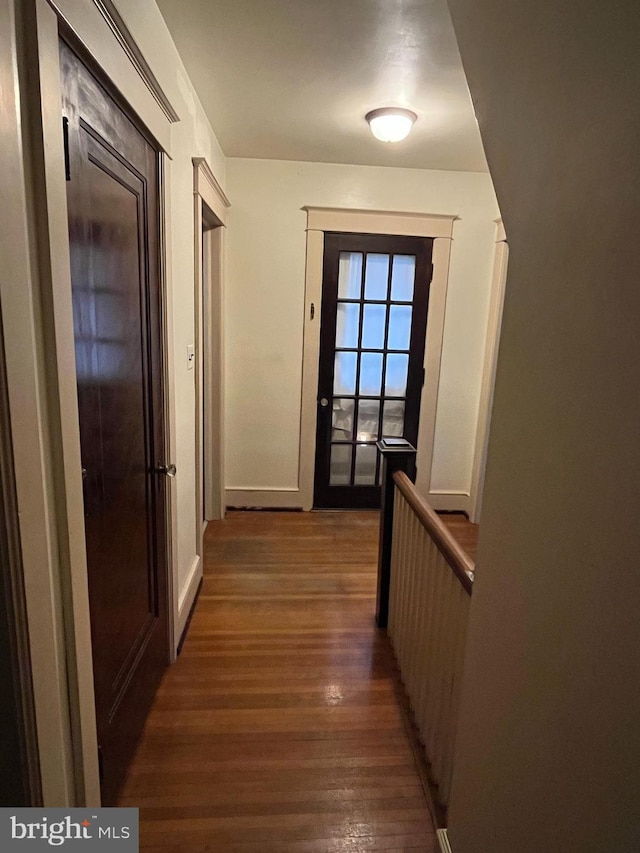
[[450, 501], [186, 599], [293, 499], [267, 498], [185, 630], [443, 841]]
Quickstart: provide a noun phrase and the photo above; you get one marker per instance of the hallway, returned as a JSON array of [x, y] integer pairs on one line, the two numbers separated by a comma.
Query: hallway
[[278, 728]]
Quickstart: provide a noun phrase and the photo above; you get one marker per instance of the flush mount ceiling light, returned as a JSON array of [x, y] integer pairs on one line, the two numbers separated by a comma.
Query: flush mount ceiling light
[[390, 124]]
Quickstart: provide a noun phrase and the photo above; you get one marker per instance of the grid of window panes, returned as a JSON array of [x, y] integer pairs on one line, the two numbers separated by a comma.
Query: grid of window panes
[[373, 336]]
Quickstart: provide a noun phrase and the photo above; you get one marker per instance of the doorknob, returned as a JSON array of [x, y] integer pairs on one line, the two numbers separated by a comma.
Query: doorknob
[[324, 402], [167, 470]]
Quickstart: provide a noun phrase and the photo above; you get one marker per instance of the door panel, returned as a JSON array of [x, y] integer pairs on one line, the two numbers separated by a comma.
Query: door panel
[[374, 316], [112, 199]]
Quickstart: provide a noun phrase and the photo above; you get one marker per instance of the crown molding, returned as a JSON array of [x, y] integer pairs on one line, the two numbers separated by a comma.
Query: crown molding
[[130, 46]]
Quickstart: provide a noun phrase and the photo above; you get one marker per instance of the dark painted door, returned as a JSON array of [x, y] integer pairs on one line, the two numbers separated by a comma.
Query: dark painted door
[[112, 195], [375, 295]]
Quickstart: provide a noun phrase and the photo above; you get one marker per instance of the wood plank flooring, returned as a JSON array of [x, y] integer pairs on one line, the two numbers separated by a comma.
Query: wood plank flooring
[[278, 728]]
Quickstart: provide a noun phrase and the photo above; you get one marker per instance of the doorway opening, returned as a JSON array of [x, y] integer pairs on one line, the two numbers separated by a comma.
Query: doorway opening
[[210, 214], [210, 495]]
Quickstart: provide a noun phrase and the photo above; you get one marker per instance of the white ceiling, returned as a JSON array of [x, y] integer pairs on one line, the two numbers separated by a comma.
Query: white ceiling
[[293, 79]]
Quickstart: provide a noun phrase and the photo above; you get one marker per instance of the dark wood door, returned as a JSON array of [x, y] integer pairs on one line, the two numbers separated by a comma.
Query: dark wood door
[[375, 295], [113, 203]]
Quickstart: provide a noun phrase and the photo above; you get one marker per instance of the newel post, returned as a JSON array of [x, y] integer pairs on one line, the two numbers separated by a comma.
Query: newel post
[[398, 454]]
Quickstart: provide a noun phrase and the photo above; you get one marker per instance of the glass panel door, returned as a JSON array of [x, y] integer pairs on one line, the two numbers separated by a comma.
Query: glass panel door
[[374, 311]]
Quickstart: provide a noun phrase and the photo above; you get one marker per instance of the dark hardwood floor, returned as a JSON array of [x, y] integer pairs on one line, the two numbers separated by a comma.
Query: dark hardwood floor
[[278, 729]]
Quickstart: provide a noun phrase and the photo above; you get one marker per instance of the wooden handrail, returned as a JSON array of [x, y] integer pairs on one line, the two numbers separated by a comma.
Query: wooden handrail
[[459, 561]]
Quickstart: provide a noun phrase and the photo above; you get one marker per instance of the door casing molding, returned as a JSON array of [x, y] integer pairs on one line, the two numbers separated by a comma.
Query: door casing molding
[[210, 208], [129, 45], [28, 415], [98, 27], [319, 220], [64, 502]]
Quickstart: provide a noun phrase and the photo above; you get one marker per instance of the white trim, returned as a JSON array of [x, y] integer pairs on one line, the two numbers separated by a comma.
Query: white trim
[[214, 378], [310, 364], [432, 362], [57, 349], [29, 414], [412, 224], [449, 501], [443, 841], [265, 498], [199, 334], [108, 48], [130, 46], [377, 222], [56, 294], [206, 185], [170, 416], [188, 595], [494, 323], [209, 345]]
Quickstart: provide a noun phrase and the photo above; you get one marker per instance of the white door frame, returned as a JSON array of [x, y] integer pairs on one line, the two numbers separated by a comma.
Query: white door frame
[[210, 203], [321, 219], [33, 450], [494, 323], [209, 346], [43, 384]]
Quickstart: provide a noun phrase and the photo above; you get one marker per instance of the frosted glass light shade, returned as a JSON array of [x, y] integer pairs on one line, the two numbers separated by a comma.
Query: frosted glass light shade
[[391, 124]]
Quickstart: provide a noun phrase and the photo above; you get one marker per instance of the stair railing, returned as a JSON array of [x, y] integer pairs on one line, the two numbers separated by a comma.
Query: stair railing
[[428, 589]]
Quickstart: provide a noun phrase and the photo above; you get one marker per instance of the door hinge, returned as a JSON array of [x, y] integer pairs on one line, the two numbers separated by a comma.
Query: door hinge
[[100, 764], [312, 312], [65, 137]]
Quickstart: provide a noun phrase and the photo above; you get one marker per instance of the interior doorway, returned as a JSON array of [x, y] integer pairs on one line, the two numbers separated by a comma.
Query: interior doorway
[[114, 233], [375, 297], [208, 373], [211, 206], [209, 367]]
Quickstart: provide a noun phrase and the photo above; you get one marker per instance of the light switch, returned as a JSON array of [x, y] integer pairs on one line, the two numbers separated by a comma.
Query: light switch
[[191, 356]]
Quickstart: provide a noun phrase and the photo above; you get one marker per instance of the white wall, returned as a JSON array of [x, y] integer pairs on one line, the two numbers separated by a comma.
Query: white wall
[[265, 305], [549, 738]]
